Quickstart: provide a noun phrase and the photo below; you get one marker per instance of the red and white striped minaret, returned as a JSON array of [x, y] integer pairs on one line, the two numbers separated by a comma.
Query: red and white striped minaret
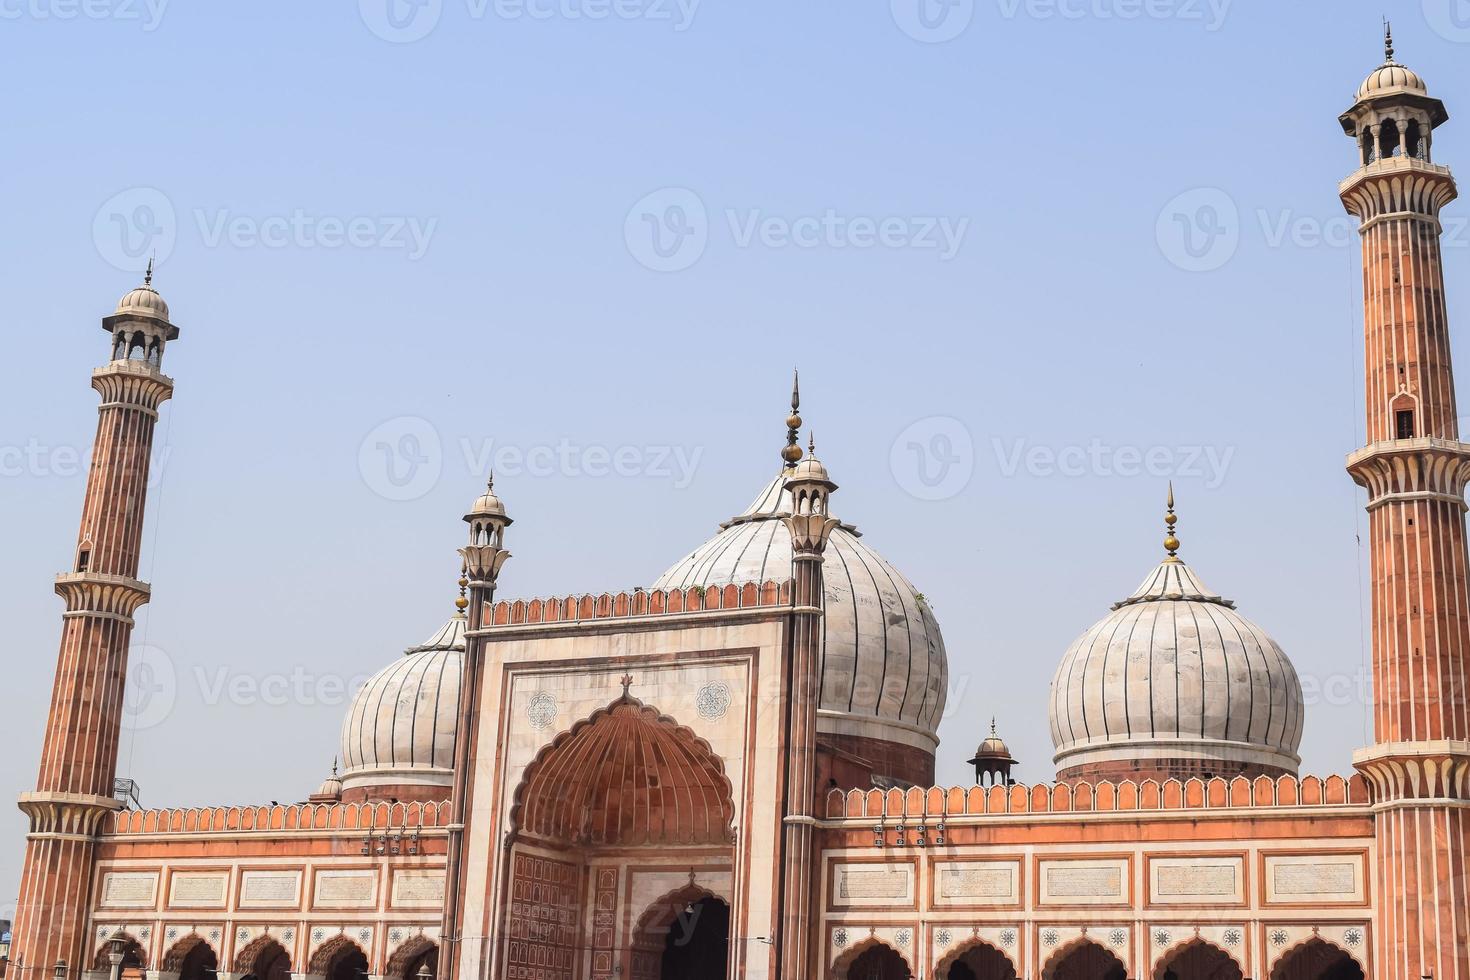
[[74, 791], [1415, 469]]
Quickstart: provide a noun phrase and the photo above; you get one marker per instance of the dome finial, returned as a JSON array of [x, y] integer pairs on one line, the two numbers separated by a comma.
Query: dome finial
[[462, 603], [1387, 41], [1171, 543], [811, 446], [791, 454], [148, 275]]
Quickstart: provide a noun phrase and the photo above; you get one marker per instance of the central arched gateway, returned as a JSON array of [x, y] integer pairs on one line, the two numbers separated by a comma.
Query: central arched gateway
[[1085, 960], [630, 801]]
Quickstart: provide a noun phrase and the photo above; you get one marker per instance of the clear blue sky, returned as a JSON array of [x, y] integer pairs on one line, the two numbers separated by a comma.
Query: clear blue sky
[[964, 228]]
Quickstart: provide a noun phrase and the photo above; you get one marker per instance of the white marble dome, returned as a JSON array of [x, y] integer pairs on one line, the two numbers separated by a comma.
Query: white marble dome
[[1391, 78], [1174, 672], [399, 730], [143, 301], [884, 671]]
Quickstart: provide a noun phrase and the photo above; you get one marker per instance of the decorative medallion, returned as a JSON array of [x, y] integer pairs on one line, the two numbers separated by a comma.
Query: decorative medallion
[[1050, 937], [395, 936], [287, 936], [943, 938], [1162, 937], [1279, 937], [1353, 937], [839, 939], [1008, 938], [713, 700], [541, 710], [214, 935], [1232, 938], [365, 936], [242, 936], [170, 934], [144, 933], [1118, 938], [317, 935], [903, 938]]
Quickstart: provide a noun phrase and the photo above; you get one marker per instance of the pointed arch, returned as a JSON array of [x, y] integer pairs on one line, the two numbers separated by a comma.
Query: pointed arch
[[186, 946], [1317, 959], [135, 954], [985, 961], [841, 969], [659, 920], [414, 952], [626, 775], [1198, 959], [1084, 958], [259, 955], [331, 953]]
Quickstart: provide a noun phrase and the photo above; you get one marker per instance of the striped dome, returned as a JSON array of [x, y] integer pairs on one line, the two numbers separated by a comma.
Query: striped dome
[[1390, 78], [1175, 673], [884, 672], [400, 728]]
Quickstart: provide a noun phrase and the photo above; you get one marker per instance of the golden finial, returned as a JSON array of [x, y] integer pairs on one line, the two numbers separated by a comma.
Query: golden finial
[[792, 452], [462, 603], [1171, 543], [1387, 41], [811, 446]]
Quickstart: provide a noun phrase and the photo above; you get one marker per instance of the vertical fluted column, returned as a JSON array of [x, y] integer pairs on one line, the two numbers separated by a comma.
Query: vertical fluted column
[[1415, 470], [74, 786], [810, 529]]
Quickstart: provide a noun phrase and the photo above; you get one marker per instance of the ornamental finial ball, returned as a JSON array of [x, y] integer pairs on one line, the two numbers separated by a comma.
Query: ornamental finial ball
[[792, 454]]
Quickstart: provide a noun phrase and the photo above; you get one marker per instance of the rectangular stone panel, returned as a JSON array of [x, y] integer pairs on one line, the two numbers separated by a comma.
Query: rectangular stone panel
[[418, 889], [977, 883], [868, 885], [345, 889], [129, 889], [1335, 879], [270, 889], [198, 889], [1197, 880], [1103, 882]]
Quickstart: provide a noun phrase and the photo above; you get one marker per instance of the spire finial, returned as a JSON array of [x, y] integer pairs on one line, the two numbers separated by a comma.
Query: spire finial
[[811, 446], [992, 726], [627, 682], [462, 603], [148, 275], [1387, 41], [1171, 543], [334, 765], [791, 454]]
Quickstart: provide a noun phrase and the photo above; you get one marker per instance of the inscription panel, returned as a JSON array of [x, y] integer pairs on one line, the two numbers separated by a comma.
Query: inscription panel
[[130, 889], [1084, 882], [418, 889], [866, 885], [270, 889], [1194, 881], [1335, 879], [198, 889], [345, 889], [977, 883]]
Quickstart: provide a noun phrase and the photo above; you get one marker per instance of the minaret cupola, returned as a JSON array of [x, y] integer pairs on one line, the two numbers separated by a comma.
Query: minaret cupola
[[140, 326], [1393, 115]]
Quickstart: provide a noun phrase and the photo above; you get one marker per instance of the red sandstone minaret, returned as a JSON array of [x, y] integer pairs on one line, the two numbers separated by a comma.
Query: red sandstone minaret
[[1415, 469], [74, 791]]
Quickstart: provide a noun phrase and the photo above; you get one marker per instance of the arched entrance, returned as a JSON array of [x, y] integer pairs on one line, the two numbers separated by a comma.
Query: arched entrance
[[980, 961], [685, 936], [1317, 960], [263, 959], [1085, 960], [1198, 960], [874, 961], [134, 960], [192, 959], [412, 958], [340, 959]]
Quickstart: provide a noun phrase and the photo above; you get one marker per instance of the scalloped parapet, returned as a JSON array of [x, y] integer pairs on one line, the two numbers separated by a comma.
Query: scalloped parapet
[[627, 605], [231, 820], [1061, 798]]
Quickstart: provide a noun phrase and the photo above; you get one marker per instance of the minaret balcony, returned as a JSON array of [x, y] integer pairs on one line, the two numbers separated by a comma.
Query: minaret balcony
[[102, 594], [1393, 167], [1404, 469]]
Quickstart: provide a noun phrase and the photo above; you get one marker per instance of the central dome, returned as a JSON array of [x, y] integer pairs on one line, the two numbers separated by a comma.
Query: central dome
[[884, 673]]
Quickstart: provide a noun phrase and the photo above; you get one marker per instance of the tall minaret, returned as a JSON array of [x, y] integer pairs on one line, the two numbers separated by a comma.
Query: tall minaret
[[74, 791], [810, 524], [1415, 470]]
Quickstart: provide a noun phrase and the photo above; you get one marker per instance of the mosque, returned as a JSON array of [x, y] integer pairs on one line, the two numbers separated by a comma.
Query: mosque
[[731, 774]]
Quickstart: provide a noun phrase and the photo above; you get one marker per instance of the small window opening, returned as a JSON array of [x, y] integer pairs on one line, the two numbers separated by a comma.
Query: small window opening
[[84, 560], [1404, 423]]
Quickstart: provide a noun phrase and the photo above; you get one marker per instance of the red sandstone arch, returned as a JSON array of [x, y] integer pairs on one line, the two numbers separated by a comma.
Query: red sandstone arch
[[841, 969], [1317, 959], [1199, 959], [1084, 958], [651, 936], [963, 951], [261, 951], [173, 960], [625, 776], [402, 965], [332, 951], [134, 954]]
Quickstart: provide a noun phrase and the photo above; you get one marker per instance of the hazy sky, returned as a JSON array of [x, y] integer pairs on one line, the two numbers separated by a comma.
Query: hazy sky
[[1034, 258]]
